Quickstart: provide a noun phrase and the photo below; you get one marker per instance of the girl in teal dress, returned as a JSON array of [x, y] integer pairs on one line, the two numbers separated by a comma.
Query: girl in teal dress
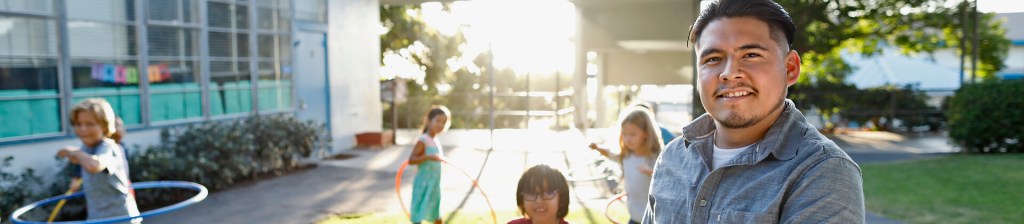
[[426, 155]]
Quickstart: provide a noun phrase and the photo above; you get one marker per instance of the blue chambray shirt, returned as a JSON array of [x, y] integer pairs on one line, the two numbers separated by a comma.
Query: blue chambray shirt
[[793, 175]]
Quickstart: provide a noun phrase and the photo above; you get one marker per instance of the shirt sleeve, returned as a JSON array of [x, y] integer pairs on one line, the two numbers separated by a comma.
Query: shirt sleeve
[[109, 156], [829, 192]]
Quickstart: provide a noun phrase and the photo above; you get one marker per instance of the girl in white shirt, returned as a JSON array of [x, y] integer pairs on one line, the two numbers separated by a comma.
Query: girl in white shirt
[[640, 141]]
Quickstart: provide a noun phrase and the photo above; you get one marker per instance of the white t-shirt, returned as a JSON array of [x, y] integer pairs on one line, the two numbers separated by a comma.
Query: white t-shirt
[[637, 184], [721, 156]]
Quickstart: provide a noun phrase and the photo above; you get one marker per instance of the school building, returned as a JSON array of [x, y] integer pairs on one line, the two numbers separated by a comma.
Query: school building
[[164, 63]]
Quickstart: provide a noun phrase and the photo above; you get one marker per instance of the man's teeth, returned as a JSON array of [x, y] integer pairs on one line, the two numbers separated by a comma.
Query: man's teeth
[[737, 94]]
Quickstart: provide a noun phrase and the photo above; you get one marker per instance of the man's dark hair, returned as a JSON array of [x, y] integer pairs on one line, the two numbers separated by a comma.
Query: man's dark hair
[[772, 13]]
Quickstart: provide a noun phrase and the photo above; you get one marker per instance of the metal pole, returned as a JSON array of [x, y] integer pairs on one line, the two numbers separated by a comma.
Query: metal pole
[[490, 73], [64, 80], [254, 68], [558, 102], [975, 46], [963, 39], [204, 61], [394, 110], [142, 39], [528, 100]]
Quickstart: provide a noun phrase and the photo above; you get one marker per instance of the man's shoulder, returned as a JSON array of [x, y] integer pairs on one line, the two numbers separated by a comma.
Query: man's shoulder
[[815, 145], [818, 148]]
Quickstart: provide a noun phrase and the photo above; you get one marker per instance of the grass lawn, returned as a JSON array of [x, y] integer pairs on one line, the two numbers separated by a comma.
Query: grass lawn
[[576, 215], [954, 189]]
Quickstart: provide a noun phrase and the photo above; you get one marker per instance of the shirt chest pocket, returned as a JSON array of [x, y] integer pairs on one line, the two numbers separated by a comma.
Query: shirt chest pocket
[[727, 216]]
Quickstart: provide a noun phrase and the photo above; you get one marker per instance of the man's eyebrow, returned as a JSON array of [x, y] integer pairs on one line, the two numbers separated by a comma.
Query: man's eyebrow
[[752, 46], [744, 47], [710, 51]]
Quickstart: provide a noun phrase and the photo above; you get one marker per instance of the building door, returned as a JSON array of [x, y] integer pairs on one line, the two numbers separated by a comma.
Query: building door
[[311, 79]]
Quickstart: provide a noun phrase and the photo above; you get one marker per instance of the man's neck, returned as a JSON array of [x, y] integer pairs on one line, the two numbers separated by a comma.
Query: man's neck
[[739, 137]]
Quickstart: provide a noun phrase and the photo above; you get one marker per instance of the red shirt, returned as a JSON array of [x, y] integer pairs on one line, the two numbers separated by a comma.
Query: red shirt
[[527, 221]]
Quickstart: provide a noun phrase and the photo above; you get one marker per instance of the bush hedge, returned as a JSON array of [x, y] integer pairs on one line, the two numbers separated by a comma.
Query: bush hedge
[[988, 117], [219, 154], [20, 188], [215, 154]]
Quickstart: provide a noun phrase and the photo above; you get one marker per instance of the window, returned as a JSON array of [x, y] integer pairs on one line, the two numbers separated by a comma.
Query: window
[[29, 103], [275, 92], [103, 44], [174, 73], [117, 81], [274, 54], [36, 6], [248, 44], [173, 42], [226, 15], [311, 10], [28, 37], [179, 11], [96, 39], [174, 90], [102, 10], [230, 87], [29, 95]]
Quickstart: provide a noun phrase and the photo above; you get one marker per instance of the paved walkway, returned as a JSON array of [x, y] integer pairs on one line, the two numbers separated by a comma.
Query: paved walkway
[[365, 183]]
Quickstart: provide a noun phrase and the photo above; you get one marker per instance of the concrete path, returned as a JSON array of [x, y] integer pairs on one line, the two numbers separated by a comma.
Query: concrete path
[[365, 182]]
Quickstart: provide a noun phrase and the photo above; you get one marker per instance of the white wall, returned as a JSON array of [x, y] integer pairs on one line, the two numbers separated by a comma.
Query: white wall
[[1015, 59], [353, 54], [949, 58], [353, 49]]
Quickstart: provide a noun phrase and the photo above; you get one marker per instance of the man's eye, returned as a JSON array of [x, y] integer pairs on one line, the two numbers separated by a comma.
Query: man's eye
[[712, 60], [749, 55]]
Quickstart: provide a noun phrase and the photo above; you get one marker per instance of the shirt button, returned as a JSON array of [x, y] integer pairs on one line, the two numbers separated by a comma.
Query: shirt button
[[703, 202]]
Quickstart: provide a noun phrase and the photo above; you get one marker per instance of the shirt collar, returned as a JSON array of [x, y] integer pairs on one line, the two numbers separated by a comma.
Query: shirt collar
[[704, 126]]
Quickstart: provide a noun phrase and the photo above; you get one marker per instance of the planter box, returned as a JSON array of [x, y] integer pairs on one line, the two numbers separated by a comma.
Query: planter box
[[374, 139]]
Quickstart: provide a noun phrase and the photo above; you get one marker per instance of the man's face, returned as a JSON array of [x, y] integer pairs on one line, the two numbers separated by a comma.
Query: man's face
[[743, 73]]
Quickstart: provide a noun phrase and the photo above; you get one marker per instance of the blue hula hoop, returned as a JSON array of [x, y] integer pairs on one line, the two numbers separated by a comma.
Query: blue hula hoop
[[143, 185]]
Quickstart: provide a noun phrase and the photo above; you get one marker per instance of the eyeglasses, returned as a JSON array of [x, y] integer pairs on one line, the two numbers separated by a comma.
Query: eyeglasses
[[546, 196]]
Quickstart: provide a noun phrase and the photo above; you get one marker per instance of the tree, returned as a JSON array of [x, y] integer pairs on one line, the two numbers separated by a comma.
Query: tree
[[410, 38], [826, 28]]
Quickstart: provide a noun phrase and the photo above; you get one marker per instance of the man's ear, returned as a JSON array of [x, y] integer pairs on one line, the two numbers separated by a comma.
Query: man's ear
[[792, 67]]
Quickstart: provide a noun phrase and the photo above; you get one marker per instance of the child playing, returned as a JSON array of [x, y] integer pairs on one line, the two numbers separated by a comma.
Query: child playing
[[666, 135], [542, 196], [104, 176], [76, 170], [641, 144], [427, 154]]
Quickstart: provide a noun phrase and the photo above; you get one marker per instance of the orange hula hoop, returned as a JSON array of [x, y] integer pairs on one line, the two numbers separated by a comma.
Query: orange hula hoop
[[398, 188], [618, 197]]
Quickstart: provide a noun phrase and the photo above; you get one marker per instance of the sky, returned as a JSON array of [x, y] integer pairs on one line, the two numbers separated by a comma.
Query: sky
[[1001, 6]]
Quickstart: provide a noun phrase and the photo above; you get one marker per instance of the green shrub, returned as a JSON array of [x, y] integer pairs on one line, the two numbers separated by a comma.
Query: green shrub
[[19, 189], [988, 117], [220, 154], [214, 154]]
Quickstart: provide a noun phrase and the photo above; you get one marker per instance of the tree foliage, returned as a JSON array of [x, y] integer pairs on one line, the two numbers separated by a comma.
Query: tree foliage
[[825, 28], [426, 46]]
